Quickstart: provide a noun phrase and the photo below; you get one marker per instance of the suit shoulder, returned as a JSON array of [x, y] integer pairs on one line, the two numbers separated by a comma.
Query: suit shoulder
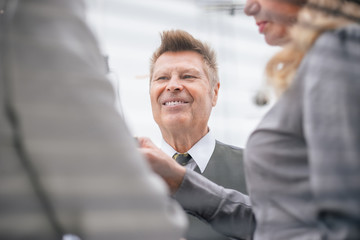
[[227, 150], [223, 145]]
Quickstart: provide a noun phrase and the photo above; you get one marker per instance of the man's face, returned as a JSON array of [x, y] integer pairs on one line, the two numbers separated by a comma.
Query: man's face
[[181, 94]]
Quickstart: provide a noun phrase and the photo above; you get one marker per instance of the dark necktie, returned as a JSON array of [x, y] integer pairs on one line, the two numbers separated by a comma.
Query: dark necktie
[[182, 158]]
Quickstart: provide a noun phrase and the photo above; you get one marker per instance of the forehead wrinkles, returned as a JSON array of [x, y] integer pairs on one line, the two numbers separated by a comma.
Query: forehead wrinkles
[[169, 68]]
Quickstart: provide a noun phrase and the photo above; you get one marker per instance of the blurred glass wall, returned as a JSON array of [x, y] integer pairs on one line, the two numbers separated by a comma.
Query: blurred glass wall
[[129, 32]]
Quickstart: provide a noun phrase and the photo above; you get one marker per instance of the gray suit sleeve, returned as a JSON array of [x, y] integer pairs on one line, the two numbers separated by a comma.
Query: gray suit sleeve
[[228, 211], [67, 158], [332, 130]]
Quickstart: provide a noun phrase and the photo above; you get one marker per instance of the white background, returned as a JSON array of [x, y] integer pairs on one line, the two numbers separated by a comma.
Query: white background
[[129, 32]]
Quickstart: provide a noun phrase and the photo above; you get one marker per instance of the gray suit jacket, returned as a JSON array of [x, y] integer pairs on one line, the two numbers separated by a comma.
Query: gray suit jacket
[[67, 161], [303, 161], [225, 168]]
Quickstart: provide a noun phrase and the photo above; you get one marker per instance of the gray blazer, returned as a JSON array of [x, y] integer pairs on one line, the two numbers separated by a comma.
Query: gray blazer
[[67, 161], [303, 161], [225, 168]]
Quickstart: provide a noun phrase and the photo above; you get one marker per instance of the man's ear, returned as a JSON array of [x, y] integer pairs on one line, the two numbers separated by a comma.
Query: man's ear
[[215, 93]]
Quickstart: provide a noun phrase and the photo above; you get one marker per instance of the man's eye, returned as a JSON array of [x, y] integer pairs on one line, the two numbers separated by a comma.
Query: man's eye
[[188, 76], [161, 78]]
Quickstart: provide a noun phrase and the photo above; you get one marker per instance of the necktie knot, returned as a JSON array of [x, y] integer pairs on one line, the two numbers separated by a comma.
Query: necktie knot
[[182, 158]]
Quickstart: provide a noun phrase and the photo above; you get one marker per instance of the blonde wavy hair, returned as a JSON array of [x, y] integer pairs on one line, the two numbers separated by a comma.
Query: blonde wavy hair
[[316, 17]]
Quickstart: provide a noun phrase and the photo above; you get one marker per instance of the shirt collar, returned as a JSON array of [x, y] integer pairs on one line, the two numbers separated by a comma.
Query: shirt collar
[[201, 152]]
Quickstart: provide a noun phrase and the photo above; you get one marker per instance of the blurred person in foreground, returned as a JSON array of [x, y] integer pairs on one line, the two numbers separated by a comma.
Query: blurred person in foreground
[[302, 163], [184, 86], [68, 164]]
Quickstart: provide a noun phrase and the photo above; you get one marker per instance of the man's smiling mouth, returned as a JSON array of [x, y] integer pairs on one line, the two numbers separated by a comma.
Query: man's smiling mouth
[[174, 103]]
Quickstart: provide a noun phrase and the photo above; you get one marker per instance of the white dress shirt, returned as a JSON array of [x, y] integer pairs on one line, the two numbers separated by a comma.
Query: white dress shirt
[[200, 152]]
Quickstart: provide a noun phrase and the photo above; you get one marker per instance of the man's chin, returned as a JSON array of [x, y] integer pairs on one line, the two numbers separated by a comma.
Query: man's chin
[[174, 122]]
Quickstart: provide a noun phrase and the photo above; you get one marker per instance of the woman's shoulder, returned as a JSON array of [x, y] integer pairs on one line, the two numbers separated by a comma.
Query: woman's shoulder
[[335, 55], [341, 44], [342, 37], [350, 30]]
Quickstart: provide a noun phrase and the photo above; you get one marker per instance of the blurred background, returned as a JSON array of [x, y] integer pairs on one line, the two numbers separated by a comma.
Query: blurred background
[[129, 32]]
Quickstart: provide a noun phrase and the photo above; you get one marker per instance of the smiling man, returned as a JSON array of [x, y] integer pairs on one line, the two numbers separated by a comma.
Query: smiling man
[[184, 88]]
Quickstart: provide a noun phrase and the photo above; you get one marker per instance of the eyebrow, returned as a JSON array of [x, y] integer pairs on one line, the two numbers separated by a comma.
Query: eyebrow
[[179, 70]]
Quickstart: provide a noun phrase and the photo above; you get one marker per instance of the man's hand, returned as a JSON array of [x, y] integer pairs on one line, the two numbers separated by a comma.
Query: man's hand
[[162, 164]]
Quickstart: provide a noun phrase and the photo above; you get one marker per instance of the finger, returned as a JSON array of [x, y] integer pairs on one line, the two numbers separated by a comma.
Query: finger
[[142, 141], [145, 142]]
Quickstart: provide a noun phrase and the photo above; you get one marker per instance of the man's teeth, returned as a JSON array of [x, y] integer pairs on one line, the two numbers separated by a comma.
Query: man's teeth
[[173, 103]]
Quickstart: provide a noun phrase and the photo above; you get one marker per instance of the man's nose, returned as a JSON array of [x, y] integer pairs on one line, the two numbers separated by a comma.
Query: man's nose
[[252, 7], [174, 84]]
